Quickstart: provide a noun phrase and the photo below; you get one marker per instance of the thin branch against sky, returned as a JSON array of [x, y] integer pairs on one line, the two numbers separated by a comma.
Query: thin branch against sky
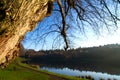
[[79, 17]]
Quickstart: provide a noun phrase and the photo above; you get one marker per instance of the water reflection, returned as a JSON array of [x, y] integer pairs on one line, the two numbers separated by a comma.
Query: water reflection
[[98, 62], [82, 64], [75, 72]]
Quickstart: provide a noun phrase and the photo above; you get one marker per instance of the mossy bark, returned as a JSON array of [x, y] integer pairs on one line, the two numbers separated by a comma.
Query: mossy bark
[[17, 18]]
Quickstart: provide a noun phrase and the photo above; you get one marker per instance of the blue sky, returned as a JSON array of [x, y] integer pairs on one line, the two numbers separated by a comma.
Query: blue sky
[[103, 39], [90, 39], [37, 39]]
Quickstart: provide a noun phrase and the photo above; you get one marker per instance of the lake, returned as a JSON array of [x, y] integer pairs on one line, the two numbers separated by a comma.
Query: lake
[[76, 72], [97, 63]]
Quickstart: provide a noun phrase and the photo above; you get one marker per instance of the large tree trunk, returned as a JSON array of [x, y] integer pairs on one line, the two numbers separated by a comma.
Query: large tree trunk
[[16, 18]]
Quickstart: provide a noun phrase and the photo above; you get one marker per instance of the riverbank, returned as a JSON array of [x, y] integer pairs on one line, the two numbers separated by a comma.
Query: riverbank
[[19, 71]]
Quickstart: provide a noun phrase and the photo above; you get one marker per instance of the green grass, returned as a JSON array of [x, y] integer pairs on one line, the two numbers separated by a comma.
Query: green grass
[[21, 75], [19, 71], [16, 72]]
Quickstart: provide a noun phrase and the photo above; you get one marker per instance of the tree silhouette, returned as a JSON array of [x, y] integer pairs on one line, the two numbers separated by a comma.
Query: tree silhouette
[[76, 15]]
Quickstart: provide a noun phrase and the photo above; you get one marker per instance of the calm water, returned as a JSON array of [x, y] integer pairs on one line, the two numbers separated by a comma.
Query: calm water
[[97, 65], [75, 72]]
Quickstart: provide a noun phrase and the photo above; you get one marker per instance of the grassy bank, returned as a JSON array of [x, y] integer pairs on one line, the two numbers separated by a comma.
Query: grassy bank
[[19, 71]]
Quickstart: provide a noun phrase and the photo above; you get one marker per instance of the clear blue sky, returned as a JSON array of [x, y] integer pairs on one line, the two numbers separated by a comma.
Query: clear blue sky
[[90, 39]]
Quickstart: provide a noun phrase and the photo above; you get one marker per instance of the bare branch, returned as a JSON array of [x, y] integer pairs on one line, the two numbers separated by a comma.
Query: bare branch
[[70, 15]]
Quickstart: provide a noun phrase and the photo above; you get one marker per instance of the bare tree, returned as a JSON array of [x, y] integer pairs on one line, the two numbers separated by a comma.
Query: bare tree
[[76, 15]]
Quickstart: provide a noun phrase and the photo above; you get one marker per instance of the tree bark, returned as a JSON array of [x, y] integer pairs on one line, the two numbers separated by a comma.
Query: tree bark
[[17, 18]]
